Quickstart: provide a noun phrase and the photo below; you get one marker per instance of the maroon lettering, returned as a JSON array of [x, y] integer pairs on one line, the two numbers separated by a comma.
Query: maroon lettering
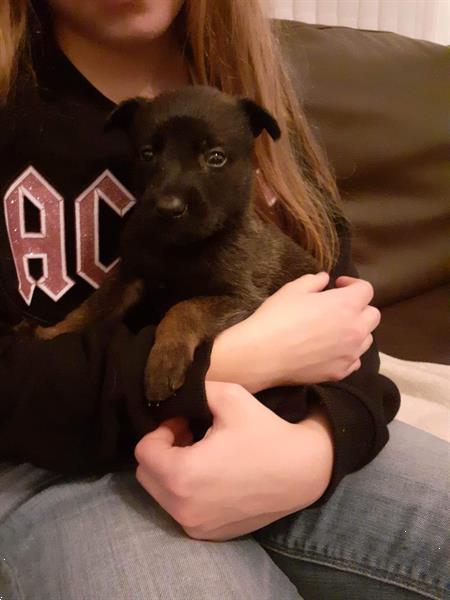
[[47, 244], [105, 188]]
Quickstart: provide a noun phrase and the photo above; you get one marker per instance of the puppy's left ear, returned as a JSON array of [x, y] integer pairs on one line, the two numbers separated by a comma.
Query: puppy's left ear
[[123, 114], [260, 119]]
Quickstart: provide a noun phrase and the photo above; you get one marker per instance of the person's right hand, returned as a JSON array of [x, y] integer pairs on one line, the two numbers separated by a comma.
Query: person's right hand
[[301, 334]]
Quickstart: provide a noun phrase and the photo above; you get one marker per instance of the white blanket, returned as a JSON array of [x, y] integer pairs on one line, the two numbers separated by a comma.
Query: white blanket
[[425, 390]]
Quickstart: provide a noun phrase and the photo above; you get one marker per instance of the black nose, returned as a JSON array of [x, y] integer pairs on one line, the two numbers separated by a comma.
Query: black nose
[[170, 206]]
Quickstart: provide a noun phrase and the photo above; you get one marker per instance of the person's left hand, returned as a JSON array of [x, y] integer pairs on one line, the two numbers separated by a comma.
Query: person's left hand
[[249, 470]]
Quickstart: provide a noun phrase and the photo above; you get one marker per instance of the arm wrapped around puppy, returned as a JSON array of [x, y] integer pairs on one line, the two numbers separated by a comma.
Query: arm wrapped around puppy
[[76, 404]]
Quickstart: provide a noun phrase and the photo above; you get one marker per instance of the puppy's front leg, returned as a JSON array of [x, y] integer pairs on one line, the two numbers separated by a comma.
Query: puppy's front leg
[[184, 327], [110, 302]]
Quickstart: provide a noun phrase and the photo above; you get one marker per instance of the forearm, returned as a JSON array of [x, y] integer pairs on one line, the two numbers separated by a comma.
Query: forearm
[[318, 426], [61, 399], [355, 409], [76, 403]]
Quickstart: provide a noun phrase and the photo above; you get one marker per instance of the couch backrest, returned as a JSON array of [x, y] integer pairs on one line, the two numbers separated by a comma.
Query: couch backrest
[[379, 104]]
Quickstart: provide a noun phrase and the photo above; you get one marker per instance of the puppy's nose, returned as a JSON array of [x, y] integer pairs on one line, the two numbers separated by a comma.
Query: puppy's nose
[[170, 206]]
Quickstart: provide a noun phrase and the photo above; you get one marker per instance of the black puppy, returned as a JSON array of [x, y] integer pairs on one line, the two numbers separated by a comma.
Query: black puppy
[[194, 246]]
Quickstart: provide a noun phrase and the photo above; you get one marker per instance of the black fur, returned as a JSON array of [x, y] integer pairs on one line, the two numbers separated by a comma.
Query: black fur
[[220, 245], [194, 234]]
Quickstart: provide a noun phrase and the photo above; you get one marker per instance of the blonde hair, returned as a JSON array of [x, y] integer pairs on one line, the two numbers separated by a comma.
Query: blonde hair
[[231, 46]]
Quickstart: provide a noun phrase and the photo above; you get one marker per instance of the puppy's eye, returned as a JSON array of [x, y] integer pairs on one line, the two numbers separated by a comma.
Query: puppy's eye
[[147, 153], [215, 158]]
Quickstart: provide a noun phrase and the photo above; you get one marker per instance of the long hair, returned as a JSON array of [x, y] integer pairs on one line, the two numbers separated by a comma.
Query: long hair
[[231, 45], [13, 34]]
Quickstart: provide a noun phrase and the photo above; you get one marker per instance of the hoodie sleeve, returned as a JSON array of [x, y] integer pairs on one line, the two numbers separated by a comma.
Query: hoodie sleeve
[[75, 404], [358, 407]]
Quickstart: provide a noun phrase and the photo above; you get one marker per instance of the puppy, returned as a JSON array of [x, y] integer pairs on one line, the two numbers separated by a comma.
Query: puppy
[[194, 249]]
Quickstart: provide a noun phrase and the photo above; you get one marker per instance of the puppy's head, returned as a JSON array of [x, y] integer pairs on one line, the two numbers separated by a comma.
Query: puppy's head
[[193, 160]]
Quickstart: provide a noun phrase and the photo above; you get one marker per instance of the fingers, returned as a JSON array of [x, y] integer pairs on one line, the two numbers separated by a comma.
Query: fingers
[[357, 363], [371, 317], [359, 290], [310, 282], [153, 485], [366, 344], [362, 293], [353, 367], [146, 480]]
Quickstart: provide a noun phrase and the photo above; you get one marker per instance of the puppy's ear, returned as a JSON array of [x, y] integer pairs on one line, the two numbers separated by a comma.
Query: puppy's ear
[[260, 119], [122, 115]]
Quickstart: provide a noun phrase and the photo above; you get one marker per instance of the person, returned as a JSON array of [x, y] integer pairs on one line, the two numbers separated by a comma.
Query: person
[[296, 512]]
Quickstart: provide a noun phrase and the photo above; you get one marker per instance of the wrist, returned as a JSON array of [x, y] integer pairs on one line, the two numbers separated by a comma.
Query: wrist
[[318, 427], [236, 358]]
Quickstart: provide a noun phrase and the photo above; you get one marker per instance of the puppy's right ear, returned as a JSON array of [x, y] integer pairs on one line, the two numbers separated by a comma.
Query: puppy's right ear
[[123, 114]]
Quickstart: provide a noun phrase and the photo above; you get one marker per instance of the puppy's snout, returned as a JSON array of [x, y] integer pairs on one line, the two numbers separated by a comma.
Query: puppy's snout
[[170, 206]]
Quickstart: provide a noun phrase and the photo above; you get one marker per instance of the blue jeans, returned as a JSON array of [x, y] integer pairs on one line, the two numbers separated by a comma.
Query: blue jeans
[[383, 535]]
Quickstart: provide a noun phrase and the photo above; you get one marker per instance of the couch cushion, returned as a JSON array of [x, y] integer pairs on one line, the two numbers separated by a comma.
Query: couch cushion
[[417, 328], [378, 103]]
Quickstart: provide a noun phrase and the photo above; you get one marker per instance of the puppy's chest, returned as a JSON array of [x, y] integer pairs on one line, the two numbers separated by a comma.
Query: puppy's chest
[[187, 278], [172, 279]]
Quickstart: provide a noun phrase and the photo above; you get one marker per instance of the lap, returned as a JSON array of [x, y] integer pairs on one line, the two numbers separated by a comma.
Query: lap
[[381, 535], [388, 523], [105, 538]]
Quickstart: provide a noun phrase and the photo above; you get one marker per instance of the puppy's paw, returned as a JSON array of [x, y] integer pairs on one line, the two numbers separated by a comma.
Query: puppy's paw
[[39, 332], [166, 369], [48, 333]]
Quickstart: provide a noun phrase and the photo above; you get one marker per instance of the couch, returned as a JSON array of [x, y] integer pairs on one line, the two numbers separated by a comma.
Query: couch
[[378, 104]]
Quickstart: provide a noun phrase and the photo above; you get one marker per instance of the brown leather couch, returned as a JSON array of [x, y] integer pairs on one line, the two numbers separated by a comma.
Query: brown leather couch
[[379, 104]]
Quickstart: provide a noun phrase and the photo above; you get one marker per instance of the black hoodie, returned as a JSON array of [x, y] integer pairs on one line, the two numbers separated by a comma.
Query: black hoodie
[[75, 404]]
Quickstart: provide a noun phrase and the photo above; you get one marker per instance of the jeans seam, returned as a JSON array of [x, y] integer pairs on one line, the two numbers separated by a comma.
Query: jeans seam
[[4, 565], [352, 566]]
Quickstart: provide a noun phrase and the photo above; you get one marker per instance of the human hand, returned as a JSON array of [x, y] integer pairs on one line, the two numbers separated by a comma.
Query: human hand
[[299, 335], [250, 469]]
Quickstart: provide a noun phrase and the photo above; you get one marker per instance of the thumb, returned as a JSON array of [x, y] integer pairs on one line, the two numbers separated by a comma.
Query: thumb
[[230, 403], [345, 280], [311, 282], [173, 432]]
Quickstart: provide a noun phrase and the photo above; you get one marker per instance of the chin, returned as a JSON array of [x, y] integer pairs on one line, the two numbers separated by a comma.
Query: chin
[[121, 22], [135, 22]]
